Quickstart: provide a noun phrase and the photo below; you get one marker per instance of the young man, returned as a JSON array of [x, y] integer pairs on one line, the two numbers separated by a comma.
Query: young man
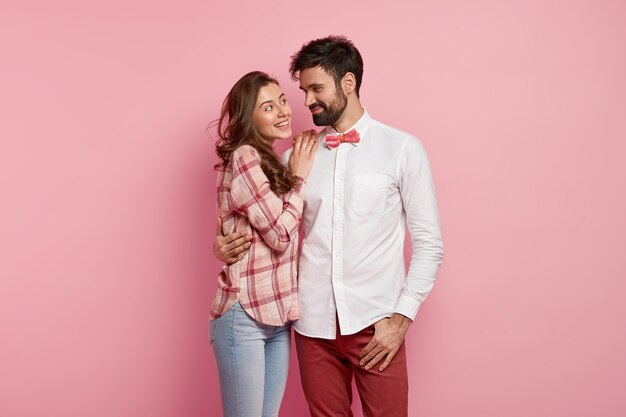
[[370, 182]]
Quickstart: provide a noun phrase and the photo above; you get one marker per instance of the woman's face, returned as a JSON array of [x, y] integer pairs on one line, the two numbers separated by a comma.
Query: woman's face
[[272, 114]]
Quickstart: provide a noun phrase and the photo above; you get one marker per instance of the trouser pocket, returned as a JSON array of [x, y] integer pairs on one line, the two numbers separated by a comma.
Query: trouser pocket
[[213, 324]]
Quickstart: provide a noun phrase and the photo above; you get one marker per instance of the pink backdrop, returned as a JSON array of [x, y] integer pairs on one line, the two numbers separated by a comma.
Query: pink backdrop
[[107, 210]]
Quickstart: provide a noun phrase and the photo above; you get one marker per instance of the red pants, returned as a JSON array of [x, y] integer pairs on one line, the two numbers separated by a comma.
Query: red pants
[[327, 368]]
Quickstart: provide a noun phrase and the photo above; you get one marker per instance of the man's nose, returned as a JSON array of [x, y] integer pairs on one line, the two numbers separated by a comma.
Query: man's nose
[[309, 99]]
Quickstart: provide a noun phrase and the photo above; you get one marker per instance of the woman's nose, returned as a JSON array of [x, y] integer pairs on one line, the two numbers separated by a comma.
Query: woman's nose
[[283, 109]]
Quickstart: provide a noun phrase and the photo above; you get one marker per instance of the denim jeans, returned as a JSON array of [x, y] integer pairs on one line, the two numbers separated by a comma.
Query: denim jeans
[[252, 361]]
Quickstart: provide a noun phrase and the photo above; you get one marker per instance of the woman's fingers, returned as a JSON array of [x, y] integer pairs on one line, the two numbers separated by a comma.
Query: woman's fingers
[[301, 158], [218, 228], [309, 140], [314, 148], [312, 144], [297, 145]]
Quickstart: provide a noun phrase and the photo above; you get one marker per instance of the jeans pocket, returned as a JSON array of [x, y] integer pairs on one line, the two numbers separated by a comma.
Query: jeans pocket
[[213, 324]]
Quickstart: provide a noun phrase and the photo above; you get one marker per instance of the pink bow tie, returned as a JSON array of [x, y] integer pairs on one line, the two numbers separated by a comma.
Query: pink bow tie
[[332, 141]]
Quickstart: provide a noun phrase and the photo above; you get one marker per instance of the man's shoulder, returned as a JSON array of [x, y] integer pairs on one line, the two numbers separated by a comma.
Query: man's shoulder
[[389, 133], [320, 137], [286, 154]]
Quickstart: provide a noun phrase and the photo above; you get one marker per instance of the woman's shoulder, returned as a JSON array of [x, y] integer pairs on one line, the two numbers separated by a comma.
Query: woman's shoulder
[[244, 157], [246, 152]]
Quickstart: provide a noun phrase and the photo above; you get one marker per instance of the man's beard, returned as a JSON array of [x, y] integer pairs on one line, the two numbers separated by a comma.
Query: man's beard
[[331, 113]]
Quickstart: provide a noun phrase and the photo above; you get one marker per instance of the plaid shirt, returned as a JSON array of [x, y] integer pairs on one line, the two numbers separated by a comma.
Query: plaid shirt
[[264, 281]]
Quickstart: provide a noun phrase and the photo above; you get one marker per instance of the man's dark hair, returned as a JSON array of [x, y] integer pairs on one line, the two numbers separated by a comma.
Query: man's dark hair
[[334, 54]]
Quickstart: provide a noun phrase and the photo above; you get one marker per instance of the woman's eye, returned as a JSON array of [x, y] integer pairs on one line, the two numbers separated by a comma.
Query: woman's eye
[[269, 108], [283, 101]]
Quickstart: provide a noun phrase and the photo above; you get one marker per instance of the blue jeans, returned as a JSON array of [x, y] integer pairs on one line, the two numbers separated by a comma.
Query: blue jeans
[[252, 362]]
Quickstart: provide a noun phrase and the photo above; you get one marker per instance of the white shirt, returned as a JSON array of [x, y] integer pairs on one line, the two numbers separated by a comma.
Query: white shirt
[[360, 199]]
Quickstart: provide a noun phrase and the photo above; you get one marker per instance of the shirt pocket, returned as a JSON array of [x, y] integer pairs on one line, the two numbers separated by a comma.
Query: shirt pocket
[[370, 193]]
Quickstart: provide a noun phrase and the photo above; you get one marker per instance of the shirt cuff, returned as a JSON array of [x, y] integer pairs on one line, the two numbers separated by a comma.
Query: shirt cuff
[[407, 306]]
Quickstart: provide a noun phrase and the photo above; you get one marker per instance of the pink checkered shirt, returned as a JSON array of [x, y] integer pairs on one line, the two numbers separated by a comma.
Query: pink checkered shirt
[[265, 280]]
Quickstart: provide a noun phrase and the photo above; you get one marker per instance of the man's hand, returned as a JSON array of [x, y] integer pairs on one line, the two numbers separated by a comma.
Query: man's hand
[[388, 337], [232, 248]]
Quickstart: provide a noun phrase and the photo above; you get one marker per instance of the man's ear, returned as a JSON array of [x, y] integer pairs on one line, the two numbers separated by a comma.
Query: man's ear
[[348, 83]]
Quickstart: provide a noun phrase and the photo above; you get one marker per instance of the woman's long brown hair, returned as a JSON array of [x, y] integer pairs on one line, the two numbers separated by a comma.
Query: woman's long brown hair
[[235, 128]]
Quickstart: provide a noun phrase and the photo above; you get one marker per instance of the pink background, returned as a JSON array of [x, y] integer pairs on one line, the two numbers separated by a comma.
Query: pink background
[[107, 210]]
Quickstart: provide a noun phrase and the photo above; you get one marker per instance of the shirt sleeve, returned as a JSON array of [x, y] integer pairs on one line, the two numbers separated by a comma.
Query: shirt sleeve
[[422, 217], [275, 218]]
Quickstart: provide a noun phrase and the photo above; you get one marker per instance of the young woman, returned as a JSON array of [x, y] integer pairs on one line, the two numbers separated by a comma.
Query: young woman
[[257, 195]]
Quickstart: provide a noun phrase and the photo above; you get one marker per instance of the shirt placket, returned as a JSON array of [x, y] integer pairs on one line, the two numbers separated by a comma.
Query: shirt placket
[[337, 241]]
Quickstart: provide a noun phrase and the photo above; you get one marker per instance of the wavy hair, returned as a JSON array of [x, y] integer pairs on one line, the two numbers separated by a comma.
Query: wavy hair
[[235, 128]]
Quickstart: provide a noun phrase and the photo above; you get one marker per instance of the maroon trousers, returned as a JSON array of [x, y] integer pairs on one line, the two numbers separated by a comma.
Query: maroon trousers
[[328, 366]]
